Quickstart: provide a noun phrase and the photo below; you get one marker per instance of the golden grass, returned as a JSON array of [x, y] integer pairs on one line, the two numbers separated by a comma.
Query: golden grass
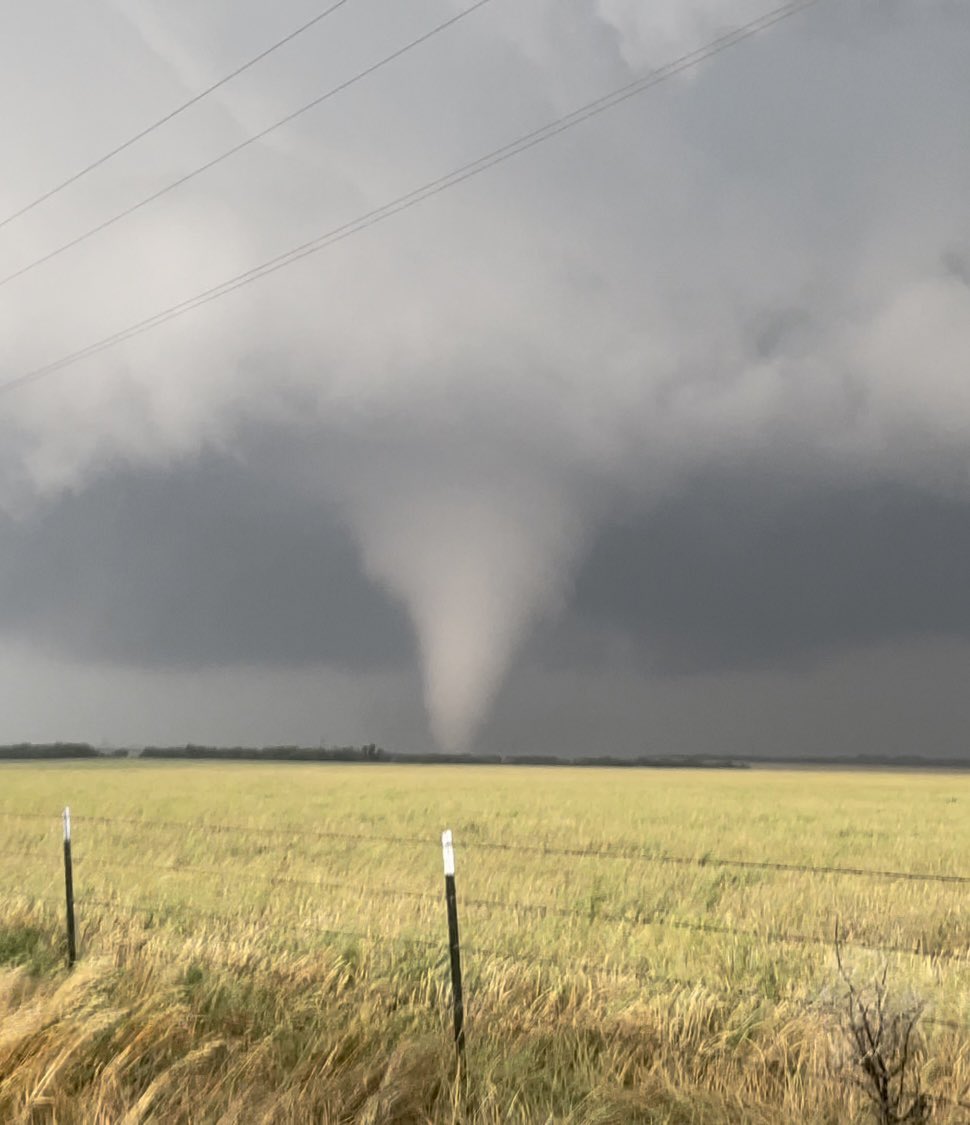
[[302, 976]]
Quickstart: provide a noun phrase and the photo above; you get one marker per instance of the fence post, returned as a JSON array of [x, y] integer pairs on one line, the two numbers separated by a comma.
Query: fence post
[[454, 947], [69, 890]]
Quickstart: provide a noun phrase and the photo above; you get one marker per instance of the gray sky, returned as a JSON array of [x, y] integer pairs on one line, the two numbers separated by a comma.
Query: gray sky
[[653, 439]]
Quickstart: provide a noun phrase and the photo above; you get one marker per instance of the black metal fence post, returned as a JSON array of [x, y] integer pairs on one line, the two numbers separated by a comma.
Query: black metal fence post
[[69, 890], [454, 946]]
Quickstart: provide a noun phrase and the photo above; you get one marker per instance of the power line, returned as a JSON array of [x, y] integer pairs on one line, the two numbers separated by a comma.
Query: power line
[[242, 144], [410, 199], [194, 100]]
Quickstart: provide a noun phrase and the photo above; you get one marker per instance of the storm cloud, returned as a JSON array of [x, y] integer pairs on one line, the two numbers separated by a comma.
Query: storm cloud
[[679, 398]]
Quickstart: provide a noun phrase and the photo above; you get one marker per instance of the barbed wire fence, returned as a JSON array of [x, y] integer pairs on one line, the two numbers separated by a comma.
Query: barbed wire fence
[[452, 951]]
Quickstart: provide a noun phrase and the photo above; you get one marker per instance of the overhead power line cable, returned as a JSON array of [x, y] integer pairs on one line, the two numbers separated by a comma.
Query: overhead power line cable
[[172, 114], [237, 148], [410, 199]]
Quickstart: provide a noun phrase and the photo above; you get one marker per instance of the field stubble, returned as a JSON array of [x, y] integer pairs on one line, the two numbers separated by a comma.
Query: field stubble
[[268, 943]]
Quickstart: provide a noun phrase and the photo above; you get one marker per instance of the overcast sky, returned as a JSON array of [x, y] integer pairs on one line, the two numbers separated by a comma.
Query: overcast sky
[[652, 439]]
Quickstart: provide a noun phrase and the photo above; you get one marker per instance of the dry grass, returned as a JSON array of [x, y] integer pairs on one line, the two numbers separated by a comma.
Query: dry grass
[[228, 998]]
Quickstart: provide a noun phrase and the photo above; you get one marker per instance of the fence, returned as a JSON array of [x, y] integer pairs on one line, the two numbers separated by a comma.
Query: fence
[[450, 946]]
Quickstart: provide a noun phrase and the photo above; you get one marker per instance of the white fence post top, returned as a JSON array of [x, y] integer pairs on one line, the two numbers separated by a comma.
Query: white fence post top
[[67, 822], [448, 851]]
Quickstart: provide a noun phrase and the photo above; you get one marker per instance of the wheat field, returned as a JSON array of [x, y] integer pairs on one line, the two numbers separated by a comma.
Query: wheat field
[[268, 943]]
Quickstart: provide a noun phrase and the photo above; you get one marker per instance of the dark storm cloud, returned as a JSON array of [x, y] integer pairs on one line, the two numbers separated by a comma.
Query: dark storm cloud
[[736, 574], [761, 263], [222, 560], [215, 560]]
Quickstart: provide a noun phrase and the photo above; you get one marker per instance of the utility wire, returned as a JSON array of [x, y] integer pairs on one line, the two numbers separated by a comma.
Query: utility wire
[[410, 199], [242, 144], [194, 100]]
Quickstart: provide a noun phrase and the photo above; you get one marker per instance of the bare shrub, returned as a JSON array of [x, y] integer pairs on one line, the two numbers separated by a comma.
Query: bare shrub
[[885, 1048]]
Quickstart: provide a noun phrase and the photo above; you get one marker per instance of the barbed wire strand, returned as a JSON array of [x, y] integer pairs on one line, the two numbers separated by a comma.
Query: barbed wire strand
[[711, 861], [633, 854], [28, 857], [666, 981], [135, 909], [258, 830], [544, 909], [530, 959], [360, 890], [771, 937]]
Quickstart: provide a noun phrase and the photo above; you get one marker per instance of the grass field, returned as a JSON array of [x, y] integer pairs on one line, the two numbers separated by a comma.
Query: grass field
[[268, 942]]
